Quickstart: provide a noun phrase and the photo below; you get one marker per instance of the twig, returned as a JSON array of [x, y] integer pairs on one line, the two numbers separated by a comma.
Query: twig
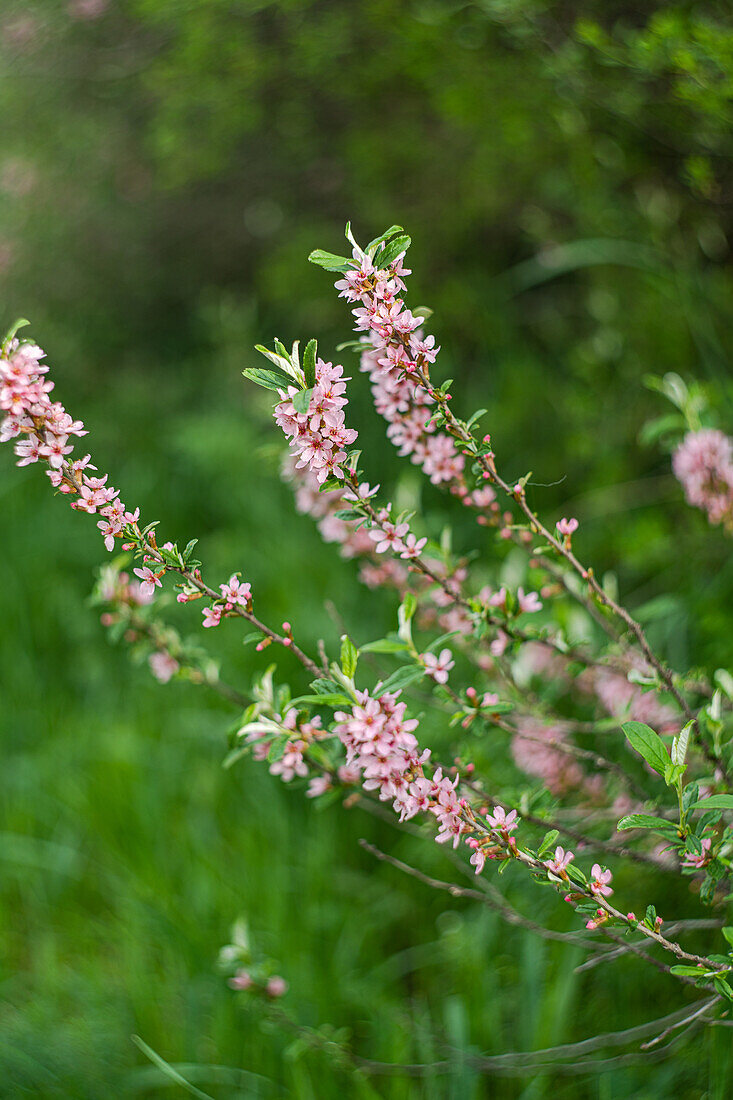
[[510, 915]]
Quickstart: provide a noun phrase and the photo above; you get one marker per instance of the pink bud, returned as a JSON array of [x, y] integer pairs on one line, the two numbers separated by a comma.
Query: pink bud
[[277, 986], [241, 980]]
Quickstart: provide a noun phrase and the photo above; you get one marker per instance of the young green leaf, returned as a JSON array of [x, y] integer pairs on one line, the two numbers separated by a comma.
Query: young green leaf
[[329, 262], [680, 744], [302, 400], [277, 748], [648, 744], [644, 821], [309, 363], [393, 250], [547, 842], [322, 700], [714, 802], [724, 680], [384, 645], [325, 687], [349, 656], [267, 378], [372, 247]]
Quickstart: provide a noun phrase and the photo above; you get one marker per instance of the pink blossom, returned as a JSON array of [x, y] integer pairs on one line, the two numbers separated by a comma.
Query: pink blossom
[[212, 615], [478, 859], [412, 547], [162, 666], [318, 785], [558, 865], [149, 580], [236, 592], [438, 667], [703, 463], [500, 819], [529, 602], [698, 859], [242, 980], [498, 599], [276, 986], [389, 537], [567, 526], [600, 881]]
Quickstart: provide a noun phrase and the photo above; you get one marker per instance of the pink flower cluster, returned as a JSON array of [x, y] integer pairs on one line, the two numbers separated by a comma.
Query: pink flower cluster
[[380, 742], [234, 593], [395, 537], [703, 464], [318, 437], [273, 987], [376, 571], [43, 429], [292, 763], [394, 347]]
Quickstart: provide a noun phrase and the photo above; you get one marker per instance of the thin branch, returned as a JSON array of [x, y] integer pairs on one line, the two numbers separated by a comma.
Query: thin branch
[[510, 915]]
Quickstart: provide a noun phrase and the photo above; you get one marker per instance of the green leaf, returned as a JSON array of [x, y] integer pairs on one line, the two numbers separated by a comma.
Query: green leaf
[[476, 416], [724, 680], [408, 674], [309, 363], [648, 744], [337, 699], [439, 642], [329, 261], [384, 645], [405, 612], [408, 607], [372, 247], [575, 874], [168, 1070], [349, 656], [680, 744], [547, 842], [267, 378], [348, 515], [12, 331], [687, 971], [714, 802], [728, 933], [722, 987], [644, 821], [393, 250], [325, 687], [499, 708], [689, 795], [302, 400], [189, 549], [277, 748]]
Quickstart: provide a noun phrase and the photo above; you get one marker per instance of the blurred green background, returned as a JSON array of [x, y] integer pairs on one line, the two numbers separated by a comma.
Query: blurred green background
[[566, 173]]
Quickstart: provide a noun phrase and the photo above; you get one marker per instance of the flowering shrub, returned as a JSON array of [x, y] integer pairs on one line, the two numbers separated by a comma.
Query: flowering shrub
[[621, 739]]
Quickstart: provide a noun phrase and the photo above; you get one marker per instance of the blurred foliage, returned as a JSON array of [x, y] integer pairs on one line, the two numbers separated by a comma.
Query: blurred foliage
[[565, 172]]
